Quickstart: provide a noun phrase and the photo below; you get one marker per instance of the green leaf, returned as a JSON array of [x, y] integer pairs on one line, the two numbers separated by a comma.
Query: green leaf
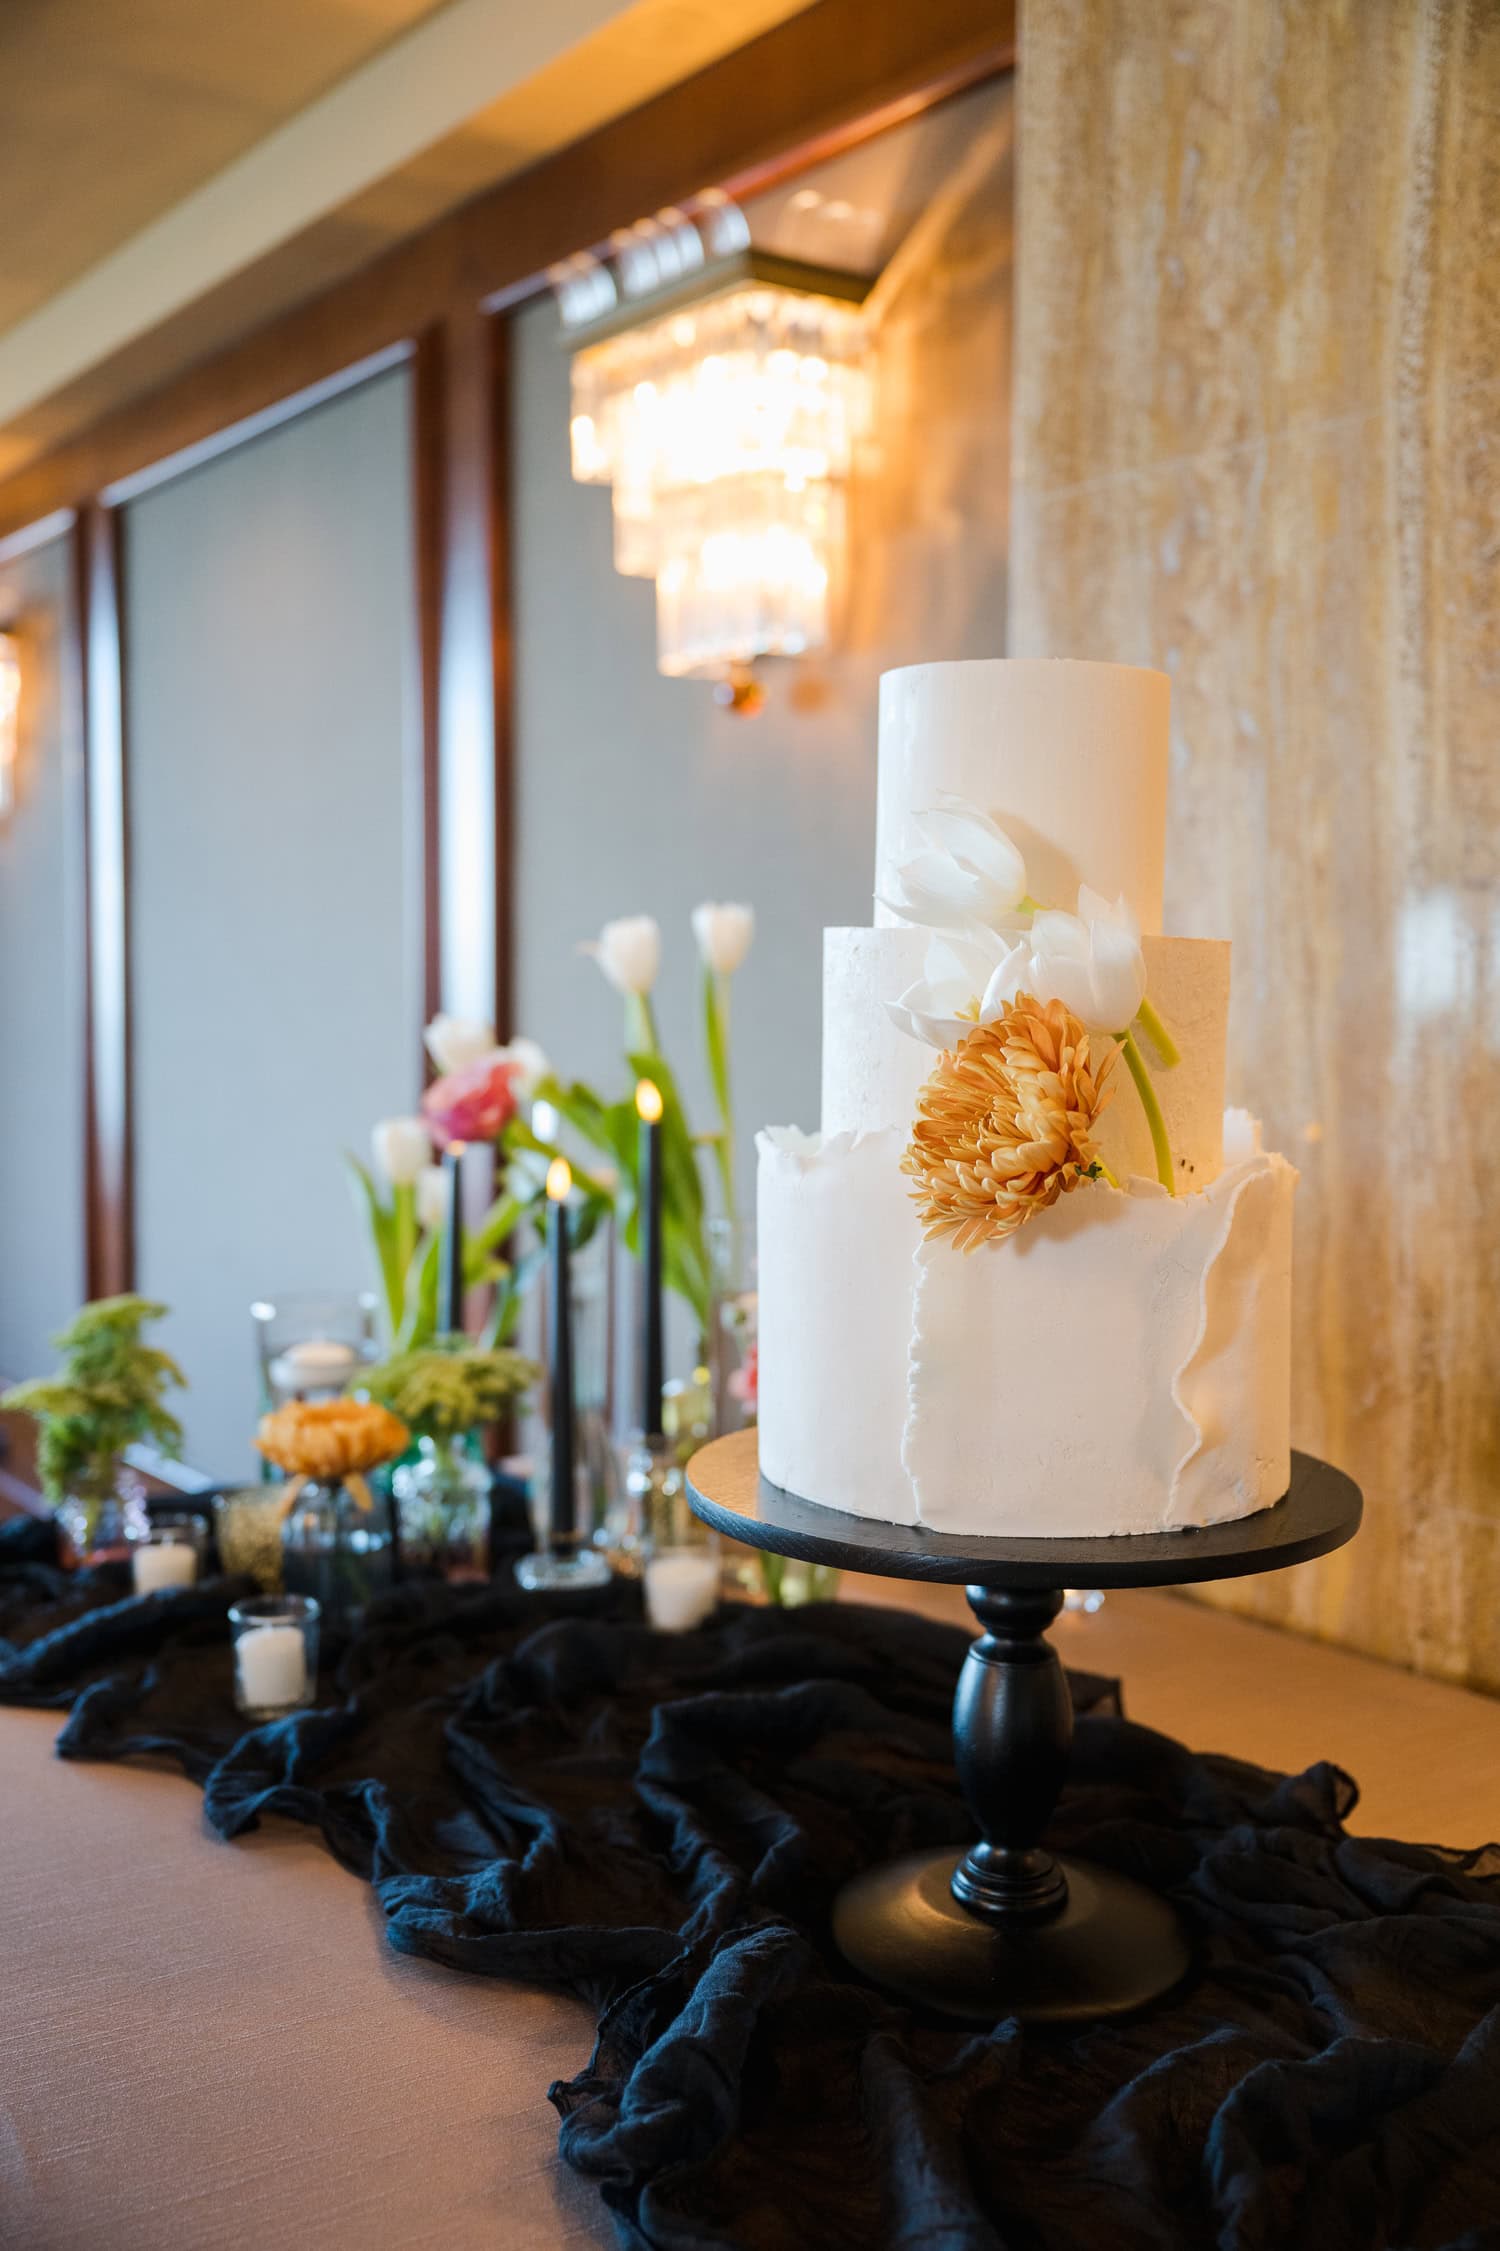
[[380, 1220]]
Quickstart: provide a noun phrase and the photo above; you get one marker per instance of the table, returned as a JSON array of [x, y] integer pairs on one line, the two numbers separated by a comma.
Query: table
[[197, 2075]]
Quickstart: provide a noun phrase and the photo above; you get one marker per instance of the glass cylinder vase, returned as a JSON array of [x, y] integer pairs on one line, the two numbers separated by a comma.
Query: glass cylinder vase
[[336, 1548], [733, 1353], [102, 1522], [442, 1503]]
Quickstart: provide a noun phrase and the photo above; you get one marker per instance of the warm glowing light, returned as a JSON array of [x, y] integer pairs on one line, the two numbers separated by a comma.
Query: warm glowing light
[[648, 1100], [726, 434], [559, 1180], [10, 718]]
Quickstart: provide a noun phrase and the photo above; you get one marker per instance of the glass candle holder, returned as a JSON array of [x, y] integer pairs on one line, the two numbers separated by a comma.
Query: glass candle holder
[[275, 1640], [170, 1555], [679, 1555], [247, 1526], [561, 1560], [310, 1344]]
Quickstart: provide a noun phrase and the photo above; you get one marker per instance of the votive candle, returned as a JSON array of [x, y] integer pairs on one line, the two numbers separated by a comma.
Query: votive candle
[[272, 1661], [157, 1564]]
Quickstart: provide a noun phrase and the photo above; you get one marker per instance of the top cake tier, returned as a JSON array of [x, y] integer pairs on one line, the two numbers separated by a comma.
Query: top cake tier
[[1070, 758]]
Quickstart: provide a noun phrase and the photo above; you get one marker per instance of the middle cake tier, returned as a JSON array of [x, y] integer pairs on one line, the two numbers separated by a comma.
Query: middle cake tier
[[873, 1070]]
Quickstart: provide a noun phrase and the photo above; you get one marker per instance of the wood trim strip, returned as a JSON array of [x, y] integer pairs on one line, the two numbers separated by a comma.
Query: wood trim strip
[[824, 80], [429, 450], [108, 1185]]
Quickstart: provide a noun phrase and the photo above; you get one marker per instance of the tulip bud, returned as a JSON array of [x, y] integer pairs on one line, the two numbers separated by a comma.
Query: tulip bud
[[432, 1198], [723, 934], [629, 952], [454, 1042], [402, 1146]]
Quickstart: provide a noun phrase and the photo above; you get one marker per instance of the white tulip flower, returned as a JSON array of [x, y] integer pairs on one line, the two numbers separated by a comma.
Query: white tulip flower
[[402, 1146], [530, 1066], [432, 1198], [629, 952], [962, 984], [724, 935], [1091, 961], [454, 1042], [970, 874]]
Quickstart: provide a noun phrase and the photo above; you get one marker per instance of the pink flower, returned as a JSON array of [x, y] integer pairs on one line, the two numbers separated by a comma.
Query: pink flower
[[474, 1104], [744, 1384]]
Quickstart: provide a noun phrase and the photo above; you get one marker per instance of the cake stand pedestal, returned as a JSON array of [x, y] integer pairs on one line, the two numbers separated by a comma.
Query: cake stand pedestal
[[1008, 1928]]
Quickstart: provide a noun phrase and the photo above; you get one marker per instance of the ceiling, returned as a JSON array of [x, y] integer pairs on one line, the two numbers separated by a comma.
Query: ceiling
[[174, 172], [112, 110]]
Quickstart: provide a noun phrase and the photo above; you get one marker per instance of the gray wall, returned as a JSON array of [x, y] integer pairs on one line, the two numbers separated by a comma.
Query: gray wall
[[270, 702], [636, 793], [41, 956]]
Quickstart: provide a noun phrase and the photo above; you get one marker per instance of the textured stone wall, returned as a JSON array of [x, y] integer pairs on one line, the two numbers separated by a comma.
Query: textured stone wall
[[1257, 442]]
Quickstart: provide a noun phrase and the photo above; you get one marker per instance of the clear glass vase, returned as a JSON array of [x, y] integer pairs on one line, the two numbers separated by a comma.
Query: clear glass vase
[[733, 1352], [442, 1503], [101, 1524], [335, 1549]]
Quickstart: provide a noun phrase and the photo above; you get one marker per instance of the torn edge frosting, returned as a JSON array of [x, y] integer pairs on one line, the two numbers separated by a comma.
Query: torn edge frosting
[[1221, 1294]]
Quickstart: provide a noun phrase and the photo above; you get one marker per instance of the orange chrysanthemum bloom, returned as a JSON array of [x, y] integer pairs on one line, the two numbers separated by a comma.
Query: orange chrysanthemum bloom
[[329, 1439], [1004, 1124]]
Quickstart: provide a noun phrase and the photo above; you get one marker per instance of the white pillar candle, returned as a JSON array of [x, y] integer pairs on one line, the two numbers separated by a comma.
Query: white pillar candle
[[682, 1587], [273, 1667], [163, 1563]]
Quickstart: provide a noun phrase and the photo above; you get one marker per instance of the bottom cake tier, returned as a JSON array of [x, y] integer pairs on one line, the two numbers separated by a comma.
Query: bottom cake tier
[[1121, 1365]]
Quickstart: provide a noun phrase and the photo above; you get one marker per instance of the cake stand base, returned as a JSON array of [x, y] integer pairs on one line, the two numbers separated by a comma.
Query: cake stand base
[[1109, 1948], [1009, 1928]]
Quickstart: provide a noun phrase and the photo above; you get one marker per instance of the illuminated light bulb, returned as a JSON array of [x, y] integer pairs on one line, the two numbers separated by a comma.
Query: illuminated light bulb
[[559, 1180], [648, 1101]]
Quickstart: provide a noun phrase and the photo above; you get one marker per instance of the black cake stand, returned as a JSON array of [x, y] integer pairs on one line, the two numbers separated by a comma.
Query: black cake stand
[[1007, 1928]]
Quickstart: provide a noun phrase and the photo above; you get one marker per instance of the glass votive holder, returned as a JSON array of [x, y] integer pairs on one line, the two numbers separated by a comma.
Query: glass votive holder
[[275, 1640], [678, 1554], [247, 1526], [170, 1555]]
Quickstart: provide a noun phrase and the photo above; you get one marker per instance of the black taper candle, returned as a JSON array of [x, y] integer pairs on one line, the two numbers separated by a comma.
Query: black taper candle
[[559, 1181], [648, 1108], [451, 1257]]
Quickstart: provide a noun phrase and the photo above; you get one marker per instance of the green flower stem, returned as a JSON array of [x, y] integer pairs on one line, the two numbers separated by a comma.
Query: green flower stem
[[1152, 1108], [1107, 1169], [640, 1024], [1160, 1038], [716, 1037]]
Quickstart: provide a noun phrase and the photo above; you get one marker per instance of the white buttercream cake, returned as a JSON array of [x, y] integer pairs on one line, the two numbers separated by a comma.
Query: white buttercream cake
[[1092, 1352]]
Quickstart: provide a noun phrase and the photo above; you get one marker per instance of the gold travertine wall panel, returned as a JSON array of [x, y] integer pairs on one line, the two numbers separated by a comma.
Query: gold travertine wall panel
[[1257, 441]]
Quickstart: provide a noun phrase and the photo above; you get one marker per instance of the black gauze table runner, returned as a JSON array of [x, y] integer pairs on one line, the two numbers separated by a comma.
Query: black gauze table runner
[[660, 1824]]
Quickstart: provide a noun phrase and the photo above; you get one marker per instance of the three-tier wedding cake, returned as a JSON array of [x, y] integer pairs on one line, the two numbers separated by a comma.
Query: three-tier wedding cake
[[1030, 1279]]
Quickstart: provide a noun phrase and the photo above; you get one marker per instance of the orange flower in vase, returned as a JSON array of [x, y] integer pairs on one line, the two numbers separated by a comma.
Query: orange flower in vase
[[331, 1440]]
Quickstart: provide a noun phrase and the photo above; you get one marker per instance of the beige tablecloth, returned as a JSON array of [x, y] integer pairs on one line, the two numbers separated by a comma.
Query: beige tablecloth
[[206, 2045]]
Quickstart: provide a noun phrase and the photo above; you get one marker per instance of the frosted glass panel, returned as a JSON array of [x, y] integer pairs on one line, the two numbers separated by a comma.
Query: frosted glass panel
[[41, 961], [270, 701]]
